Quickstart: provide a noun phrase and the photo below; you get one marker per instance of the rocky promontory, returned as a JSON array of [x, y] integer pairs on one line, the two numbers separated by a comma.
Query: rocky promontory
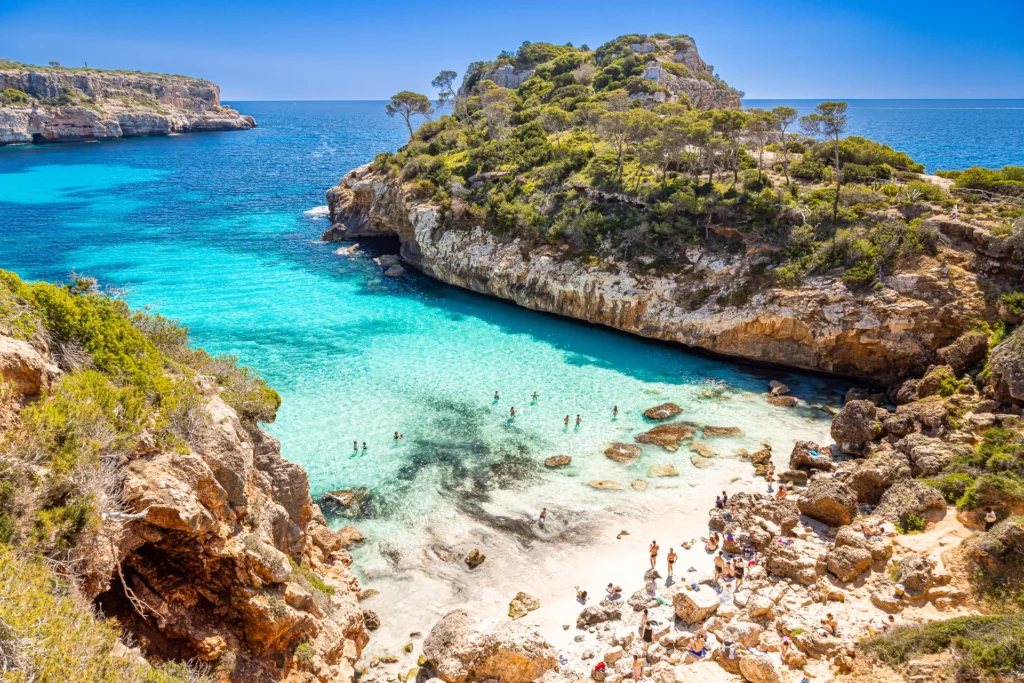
[[883, 335], [56, 104]]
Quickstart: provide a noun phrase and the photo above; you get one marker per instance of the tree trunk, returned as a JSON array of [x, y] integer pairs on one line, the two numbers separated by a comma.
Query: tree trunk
[[835, 201]]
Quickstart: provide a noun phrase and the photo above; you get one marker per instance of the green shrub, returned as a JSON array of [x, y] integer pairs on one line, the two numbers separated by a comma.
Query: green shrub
[[1014, 302], [910, 523], [952, 486], [807, 169], [10, 96], [993, 644]]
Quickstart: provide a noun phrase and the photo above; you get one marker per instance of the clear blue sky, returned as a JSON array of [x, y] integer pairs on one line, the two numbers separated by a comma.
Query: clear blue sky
[[274, 49]]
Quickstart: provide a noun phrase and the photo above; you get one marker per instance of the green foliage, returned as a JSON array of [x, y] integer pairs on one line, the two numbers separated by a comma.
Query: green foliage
[[862, 152], [952, 485], [1014, 302], [1008, 180], [992, 644], [305, 653], [309, 579], [11, 96], [55, 639], [911, 523]]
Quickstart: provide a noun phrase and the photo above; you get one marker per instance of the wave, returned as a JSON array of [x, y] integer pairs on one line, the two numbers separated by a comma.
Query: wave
[[316, 212]]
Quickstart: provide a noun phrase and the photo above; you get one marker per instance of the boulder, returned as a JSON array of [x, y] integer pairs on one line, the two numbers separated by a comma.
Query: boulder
[[461, 650], [902, 422], [928, 455], [798, 561], [370, 620], [599, 613], [662, 412], [829, 501], [699, 461], [777, 388], [663, 471], [911, 497], [855, 427], [557, 461], [783, 401], [745, 632], [475, 558], [695, 606], [760, 607], [388, 260], [708, 431], [758, 667], [879, 547], [848, 562], [935, 380], [622, 452], [807, 455], [907, 393], [1006, 363], [605, 485], [21, 366], [798, 477], [521, 605], [869, 478], [916, 573], [667, 436], [757, 512], [395, 271], [968, 351]]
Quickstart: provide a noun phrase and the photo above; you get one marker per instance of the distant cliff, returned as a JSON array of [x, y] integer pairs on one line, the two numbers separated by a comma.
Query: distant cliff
[[54, 104]]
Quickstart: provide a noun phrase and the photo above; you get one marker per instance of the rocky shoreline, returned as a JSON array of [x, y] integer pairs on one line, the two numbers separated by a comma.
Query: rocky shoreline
[[880, 336], [70, 105]]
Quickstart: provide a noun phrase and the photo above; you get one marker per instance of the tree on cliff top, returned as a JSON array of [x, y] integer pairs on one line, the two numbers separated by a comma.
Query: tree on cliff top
[[445, 84], [829, 121], [408, 104]]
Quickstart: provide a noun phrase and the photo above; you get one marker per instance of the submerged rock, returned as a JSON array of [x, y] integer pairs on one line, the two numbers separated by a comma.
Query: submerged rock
[[662, 412], [702, 449], [668, 436], [622, 452], [606, 485], [639, 485], [663, 471], [709, 431]]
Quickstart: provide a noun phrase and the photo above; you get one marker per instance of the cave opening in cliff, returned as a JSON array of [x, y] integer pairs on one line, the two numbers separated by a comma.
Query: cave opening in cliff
[[149, 630]]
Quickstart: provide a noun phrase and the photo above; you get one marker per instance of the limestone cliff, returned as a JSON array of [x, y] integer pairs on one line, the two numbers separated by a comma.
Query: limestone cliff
[[883, 335], [39, 104], [215, 552]]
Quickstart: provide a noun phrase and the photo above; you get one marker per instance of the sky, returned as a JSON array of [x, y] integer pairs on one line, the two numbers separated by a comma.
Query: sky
[[340, 50]]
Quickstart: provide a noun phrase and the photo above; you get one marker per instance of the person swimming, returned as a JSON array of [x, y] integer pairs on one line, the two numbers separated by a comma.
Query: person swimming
[[364, 445], [355, 445], [496, 395]]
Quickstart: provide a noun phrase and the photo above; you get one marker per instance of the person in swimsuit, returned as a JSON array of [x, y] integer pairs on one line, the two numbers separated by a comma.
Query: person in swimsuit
[[638, 668], [578, 420], [739, 570], [615, 411], [496, 395], [672, 557], [566, 420], [535, 397], [512, 411], [654, 553], [364, 445], [355, 445], [543, 516]]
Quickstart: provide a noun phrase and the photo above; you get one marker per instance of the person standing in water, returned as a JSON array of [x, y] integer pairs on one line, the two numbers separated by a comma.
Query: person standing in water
[[512, 411], [535, 397], [566, 420], [578, 420], [364, 445], [496, 396], [615, 411], [355, 445], [543, 517]]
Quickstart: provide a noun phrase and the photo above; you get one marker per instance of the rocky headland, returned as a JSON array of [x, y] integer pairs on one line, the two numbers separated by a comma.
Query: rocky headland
[[55, 104]]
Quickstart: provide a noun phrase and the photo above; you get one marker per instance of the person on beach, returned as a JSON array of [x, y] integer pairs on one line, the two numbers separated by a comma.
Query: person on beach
[[725, 498], [654, 552], [770, 479], [782, 492], [672, 557], [652, 587], [512, 412], [581, 596], [771, 469], [738, 570], [720, 560], [698, 642], [718, 503], [578, 420], [711, 542], [990, 518], [830, 624], [786, 642], [614, 592], [648, 634], [566, 420], [543, 517], [638, 668]]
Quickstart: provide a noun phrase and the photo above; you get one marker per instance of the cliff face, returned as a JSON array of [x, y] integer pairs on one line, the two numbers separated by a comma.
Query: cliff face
[[822, 325], [219, 556], [64, 105]]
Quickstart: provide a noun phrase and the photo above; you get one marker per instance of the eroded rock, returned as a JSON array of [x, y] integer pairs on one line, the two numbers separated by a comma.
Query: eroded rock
[[829, 501]]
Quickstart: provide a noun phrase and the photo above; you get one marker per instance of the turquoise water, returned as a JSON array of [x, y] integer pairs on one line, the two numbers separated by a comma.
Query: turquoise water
[[216, 230]]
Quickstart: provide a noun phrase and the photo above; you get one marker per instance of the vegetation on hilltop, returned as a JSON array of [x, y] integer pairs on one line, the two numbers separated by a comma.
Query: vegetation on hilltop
[[11, 65], [580, 157]]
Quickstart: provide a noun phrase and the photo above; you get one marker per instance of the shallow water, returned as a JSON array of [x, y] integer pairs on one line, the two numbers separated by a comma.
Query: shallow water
[[221, 230]]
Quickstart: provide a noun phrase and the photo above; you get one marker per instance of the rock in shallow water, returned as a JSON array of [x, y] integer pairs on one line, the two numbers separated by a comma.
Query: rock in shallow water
[[557, 461], [662, 412], [622, 452], [667, 436], [606, 485]]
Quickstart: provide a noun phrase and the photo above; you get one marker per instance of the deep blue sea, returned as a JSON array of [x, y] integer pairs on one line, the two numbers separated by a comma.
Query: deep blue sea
[[220, 231]]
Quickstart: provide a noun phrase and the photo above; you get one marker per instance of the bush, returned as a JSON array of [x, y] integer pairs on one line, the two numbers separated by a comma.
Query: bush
[[993, 644], [807, 169], [1013, 302], [952, 486], [57, 640], [855, 149], [10, 96], [910, 523]]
